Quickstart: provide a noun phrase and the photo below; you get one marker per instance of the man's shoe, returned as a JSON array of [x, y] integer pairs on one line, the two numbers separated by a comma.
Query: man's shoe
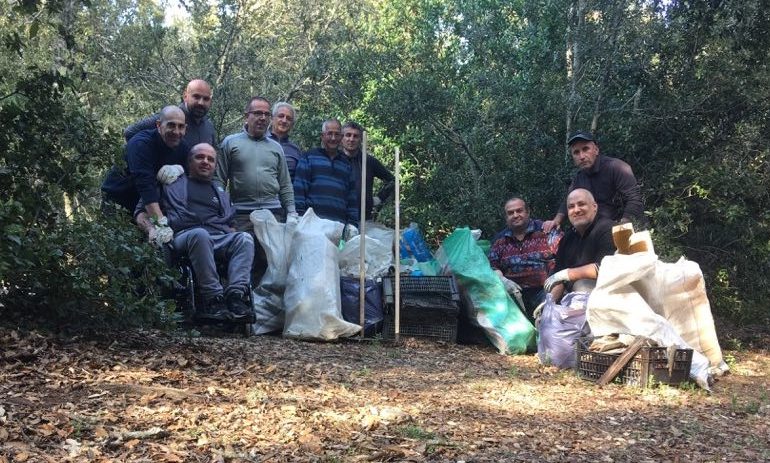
[[214, 309], [239, 308]]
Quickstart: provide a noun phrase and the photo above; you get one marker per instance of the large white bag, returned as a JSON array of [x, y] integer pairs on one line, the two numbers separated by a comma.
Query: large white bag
[[312, 297], [276, 240], [623, 300]]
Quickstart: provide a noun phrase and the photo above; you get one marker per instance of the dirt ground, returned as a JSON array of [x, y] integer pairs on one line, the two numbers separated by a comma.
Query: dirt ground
[[159, 397]]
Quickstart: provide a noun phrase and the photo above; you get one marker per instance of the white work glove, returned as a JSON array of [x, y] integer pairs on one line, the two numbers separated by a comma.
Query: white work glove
[[161, 233], [511, 287], [292, 218], [350, 232], [561, 276], [376, 202], [169, 173]]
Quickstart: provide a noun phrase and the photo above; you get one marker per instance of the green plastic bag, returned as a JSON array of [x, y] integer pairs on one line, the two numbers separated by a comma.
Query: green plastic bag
[[503, 322]]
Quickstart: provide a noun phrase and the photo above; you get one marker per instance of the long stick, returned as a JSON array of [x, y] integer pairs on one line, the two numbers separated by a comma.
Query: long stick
[[397, 244], [362, 236]]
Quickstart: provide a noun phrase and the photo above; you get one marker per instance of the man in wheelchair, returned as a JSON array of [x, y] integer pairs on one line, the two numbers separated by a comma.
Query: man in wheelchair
[[196, 218]]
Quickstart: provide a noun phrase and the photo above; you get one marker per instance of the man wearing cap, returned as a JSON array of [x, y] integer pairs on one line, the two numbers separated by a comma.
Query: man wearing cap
[[610, 180]]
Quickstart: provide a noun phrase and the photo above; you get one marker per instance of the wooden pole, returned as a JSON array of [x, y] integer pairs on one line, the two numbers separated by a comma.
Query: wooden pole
[[362, 237], [397, 244]]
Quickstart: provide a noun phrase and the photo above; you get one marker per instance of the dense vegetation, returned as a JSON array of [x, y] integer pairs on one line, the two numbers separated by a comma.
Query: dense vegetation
[[479, 95]]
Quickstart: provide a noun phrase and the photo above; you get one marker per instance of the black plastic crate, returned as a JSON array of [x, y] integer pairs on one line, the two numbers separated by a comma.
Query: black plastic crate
[[647, 368], [440, 286], [429, 307]]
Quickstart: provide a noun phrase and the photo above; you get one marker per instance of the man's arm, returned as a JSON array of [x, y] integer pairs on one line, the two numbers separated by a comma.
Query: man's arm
[[144, 124], [630, 192], [286, 189], [301, 185], [388, 180], [141, 164], [353, 202], [222, 171]]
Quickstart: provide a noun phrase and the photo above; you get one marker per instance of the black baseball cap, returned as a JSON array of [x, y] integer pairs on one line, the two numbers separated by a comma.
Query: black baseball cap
[[580, 135]]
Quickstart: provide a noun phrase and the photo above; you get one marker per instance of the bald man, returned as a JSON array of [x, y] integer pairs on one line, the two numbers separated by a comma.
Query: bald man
[[582, 248], [196, 102], [145, 155]]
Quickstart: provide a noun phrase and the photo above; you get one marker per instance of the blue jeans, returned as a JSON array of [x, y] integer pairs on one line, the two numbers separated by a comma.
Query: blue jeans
[[204, 249]]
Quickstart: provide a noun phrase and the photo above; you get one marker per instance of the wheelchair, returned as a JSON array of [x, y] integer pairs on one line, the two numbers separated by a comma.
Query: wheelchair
[[189, 300]]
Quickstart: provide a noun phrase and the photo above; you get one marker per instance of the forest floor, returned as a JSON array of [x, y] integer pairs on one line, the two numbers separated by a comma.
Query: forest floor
[[174, 397]]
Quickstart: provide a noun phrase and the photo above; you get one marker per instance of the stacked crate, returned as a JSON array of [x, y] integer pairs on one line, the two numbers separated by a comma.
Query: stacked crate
[[429, 307]]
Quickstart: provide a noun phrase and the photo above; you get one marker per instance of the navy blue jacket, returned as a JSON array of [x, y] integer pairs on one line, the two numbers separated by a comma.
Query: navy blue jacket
[[145, 154]]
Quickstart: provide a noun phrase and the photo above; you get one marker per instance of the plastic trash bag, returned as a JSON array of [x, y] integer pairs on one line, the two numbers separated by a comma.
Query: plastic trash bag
[[373, 311], [561, 325], [275, 239], [413, 244], [312, 297], [633, 296], [378, 259], [503, 322]]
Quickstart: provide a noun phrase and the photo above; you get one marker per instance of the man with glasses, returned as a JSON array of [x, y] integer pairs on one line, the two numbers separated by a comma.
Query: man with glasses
[[253, 167], [283, 121], [324, 179]]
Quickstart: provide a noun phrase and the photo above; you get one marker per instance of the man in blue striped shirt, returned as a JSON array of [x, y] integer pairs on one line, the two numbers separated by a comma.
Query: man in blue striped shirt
[[324, 179]]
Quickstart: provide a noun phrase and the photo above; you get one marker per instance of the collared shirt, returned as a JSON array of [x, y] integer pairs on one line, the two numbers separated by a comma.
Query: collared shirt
[[529, 261], [614, 187], [326, 185], [576, 250], [290, 150], [255, 172]]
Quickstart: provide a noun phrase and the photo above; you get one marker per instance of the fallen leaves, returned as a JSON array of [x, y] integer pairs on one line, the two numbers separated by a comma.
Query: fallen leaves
[[156, 397]]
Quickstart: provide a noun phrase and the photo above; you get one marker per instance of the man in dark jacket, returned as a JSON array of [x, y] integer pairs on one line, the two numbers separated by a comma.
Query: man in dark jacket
[[148, 153], [352, 133], [196, 102], [610, 180], [198, 221]]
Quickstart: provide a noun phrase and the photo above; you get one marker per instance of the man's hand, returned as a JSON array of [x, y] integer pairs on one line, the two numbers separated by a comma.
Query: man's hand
[[557, 278], [549, 225], [169, 173], [511, 287], [160, 233], [350, 232], [376, 202], [292, 218]]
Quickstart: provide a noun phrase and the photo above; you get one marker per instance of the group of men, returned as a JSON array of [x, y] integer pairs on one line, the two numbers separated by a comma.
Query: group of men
[[186, 193], [537, 258]]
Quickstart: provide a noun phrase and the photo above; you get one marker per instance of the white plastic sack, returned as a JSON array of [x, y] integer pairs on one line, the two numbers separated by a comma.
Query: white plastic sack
[[276, 240], [378, 258], [560, 327], [312, 297], [616, 305]]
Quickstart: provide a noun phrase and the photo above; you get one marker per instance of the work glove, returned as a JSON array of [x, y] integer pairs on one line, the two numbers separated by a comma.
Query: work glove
[[538, 314], [169, 173], [376, 202], [562, 276], [511, 287], [350, 232], [161, 233], [292, 218]]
